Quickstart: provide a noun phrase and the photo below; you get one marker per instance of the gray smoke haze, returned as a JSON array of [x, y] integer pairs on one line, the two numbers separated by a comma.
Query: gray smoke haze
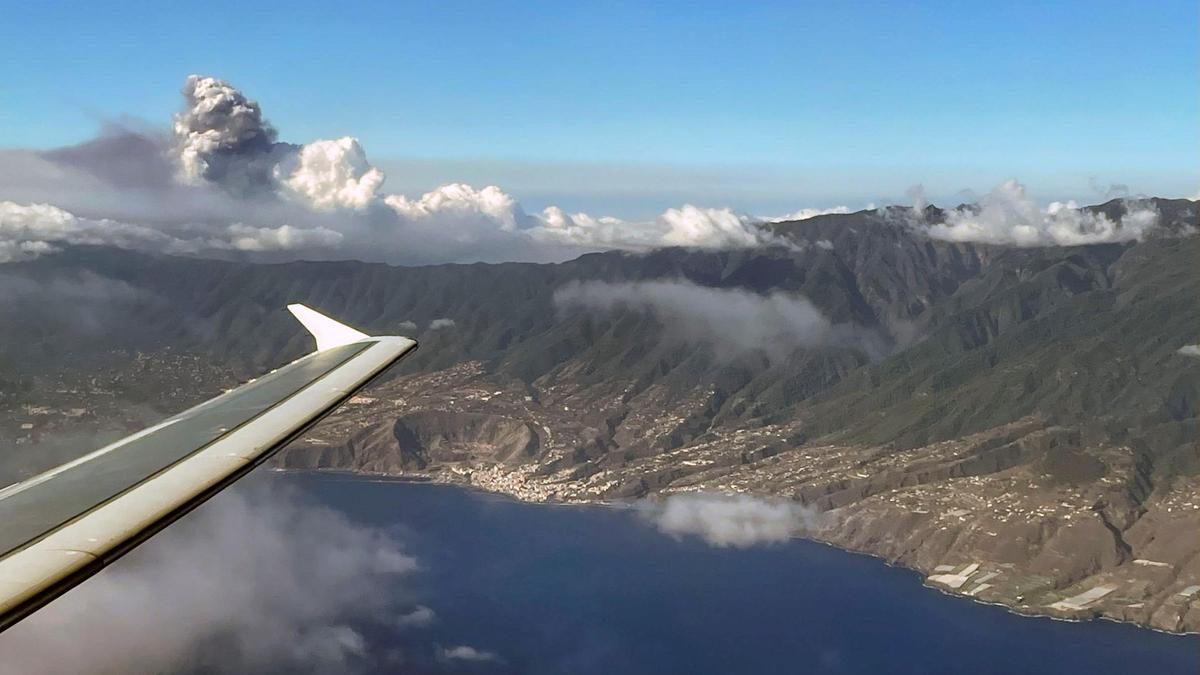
[[122, 157], [257, 578], [729, 521], [734, 321], [1109, 191]]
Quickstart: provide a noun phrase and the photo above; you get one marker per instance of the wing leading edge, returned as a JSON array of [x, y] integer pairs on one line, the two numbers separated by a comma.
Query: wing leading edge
[[63, 526]]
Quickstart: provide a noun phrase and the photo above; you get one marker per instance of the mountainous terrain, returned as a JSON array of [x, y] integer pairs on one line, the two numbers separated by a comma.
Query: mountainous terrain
[[1017, 423]]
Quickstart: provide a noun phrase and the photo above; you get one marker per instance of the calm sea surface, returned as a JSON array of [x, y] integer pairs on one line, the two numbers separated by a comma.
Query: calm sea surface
[[555, 589]]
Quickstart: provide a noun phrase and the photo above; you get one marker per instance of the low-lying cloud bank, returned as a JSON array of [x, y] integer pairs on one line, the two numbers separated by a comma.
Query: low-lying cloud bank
[[734, 321], [1008, 216], [729, 521], [256, 578], [27, 231]]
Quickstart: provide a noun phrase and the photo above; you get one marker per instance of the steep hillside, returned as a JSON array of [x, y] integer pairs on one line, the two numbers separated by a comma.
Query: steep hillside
[[946, 405]]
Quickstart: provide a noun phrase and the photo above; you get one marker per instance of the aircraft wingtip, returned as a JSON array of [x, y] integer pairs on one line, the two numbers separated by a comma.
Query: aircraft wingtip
[[329, 333]]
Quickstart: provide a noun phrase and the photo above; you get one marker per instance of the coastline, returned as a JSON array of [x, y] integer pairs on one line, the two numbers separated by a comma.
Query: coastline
[[352, 475]]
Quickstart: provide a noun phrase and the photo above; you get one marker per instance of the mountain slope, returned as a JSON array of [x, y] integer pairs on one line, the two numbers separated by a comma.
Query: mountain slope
[[1022, 410]]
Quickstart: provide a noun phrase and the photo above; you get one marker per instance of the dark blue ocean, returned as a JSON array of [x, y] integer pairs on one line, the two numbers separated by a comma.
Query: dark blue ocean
[[557, 589]]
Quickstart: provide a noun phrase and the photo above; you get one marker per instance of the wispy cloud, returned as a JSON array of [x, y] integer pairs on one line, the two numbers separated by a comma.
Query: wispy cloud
[[467, 653], [734, 321]]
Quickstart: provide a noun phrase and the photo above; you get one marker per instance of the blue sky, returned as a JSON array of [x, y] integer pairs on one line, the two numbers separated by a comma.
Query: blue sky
[[627, 106]]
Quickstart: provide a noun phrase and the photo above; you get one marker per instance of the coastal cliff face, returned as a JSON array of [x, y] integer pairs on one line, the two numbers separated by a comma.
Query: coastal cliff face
[[1017, 424]]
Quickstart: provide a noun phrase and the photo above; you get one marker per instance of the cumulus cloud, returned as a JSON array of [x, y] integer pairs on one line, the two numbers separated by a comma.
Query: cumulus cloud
[[1190, 350], [257, 578], [438, 324], [330, 174], [713, 228], [734, 321], [461, 204], [737, 521], [1008, 216]]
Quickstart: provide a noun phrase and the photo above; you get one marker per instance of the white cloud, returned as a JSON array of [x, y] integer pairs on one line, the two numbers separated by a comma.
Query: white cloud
[[712, 228], [30, 230], [805, 214], [1007, 215], [1190, 350], [274, 580], [688, 226], [282, 238], [419, 617], [12, 251], [330, 174], [460, 205], [584, 231], [438, 324], [467, 653], [734, 321], [738, 521]]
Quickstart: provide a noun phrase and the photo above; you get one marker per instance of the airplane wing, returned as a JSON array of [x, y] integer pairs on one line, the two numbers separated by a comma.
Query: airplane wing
[[63, 526]]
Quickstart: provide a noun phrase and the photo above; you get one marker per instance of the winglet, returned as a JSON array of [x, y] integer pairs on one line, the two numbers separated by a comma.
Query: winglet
[[329, 333]]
